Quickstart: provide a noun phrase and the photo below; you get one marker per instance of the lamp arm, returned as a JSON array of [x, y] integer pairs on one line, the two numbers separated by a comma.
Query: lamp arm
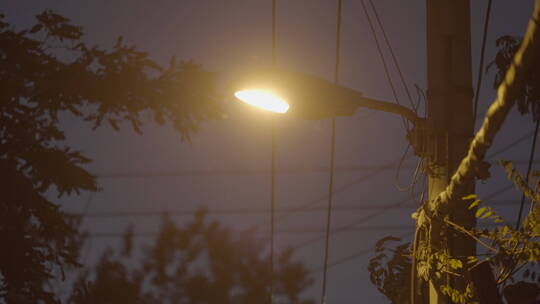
[[389, 107]]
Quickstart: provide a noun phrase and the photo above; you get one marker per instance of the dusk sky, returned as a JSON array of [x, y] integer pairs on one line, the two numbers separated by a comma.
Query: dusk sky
[[226, 164]]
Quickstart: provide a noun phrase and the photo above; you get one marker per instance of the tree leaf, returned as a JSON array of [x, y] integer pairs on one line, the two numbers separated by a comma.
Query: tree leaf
[[474, 204], [469, 197], [480, 211]]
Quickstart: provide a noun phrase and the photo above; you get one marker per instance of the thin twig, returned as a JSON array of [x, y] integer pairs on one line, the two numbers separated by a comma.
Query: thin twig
[[470, 234]]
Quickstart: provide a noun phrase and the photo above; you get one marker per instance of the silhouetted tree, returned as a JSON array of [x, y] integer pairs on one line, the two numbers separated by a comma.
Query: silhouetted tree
[[48, 70], [202, 262], [390, 270]]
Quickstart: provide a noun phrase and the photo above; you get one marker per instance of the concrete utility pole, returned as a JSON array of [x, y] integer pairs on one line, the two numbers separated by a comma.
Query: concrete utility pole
[[450, 108]]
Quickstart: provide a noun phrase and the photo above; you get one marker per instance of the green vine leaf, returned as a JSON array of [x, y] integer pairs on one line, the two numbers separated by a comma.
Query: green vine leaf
[[480, 211], [474, 204], [469, 197], [455, 263], [472, 260]]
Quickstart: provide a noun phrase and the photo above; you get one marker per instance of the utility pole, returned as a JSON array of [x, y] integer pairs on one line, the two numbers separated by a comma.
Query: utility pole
[[450, 115]]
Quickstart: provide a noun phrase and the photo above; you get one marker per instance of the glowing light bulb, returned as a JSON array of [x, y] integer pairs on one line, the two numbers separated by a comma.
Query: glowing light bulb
[[263, 99]]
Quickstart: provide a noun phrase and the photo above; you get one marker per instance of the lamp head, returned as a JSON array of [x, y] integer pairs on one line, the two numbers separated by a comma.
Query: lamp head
[[298, 94], [263, 99]]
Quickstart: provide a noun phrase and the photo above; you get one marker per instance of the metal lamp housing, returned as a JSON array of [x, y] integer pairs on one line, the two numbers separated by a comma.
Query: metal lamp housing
[[307, 96]]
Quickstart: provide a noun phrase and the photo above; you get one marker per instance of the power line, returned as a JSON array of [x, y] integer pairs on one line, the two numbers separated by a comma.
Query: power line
[[240, 172], [511, 145], [498, 192], [228, 211], [481, 64], [292, 170], [308, 230], [529, 167], [274, 40], [252, 211], [312, 202], [273, 165], [384, 210], [332, 158], [365, 251], [250, 172], [236, 211], [356, 255], [272, 179], [357, 222], [315, 230], [351, 227], [497, 113], [305, 207], [343, 187], [385, 66], [394, 58]]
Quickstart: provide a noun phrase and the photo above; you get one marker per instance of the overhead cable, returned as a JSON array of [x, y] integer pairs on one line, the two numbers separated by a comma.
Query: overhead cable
[[332, 158], [481, 64]]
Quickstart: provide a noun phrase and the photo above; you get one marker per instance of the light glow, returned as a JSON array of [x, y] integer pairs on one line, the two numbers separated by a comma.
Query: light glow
[[265, 100]]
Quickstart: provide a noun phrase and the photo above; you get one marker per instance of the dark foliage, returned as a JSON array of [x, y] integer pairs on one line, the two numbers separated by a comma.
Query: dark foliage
[[48, 70], [390, 270], [391, 275], [528, 100], [202, 262], [522, 293], [512, 255]]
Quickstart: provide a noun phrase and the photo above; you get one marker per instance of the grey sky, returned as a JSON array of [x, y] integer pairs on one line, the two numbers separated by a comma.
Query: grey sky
[[229, 34]]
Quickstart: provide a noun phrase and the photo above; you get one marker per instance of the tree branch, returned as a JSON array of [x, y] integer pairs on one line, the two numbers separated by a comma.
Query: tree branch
[[495, 116], [470, 234]]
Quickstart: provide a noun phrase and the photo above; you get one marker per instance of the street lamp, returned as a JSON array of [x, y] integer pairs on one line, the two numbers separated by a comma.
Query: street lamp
[[281, 91], [305, 96]]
